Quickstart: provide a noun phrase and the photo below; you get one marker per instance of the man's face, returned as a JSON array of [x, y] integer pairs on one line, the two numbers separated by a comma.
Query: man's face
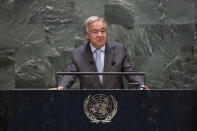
[[97, 34]]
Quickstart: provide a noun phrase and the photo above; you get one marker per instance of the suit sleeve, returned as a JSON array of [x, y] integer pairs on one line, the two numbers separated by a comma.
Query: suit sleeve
[[128, 66], [68, 80]]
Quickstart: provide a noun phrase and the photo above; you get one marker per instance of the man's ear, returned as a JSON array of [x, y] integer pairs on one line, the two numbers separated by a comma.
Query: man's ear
[[87, 35]]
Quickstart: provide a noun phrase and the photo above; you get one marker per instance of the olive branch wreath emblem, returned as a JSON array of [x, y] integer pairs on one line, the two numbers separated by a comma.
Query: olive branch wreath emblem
[[93, 118]]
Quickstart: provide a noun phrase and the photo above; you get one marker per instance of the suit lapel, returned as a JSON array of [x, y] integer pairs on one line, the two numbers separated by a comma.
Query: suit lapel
[[88, 57], [108, 61]]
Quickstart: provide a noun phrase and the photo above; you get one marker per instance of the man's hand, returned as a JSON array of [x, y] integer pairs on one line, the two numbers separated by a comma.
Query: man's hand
[[58, 88], [146, 87]]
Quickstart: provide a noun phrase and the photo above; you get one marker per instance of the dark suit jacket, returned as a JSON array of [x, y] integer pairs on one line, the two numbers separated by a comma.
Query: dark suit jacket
[[116, 60]]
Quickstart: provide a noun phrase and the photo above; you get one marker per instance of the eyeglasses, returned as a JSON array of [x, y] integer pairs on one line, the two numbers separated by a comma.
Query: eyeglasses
[[102, 31]]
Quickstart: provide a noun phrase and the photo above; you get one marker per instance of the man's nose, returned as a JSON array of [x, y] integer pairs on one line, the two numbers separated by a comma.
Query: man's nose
[[99, 33]]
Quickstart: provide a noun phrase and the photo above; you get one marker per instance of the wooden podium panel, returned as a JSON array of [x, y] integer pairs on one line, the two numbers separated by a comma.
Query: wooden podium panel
[[130, 110]]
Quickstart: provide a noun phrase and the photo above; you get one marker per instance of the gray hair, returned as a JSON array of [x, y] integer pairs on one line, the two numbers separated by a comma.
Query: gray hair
[[92, 19]]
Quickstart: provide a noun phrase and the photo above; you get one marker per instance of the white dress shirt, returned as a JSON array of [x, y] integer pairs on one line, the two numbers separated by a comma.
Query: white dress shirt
[[102, 55]]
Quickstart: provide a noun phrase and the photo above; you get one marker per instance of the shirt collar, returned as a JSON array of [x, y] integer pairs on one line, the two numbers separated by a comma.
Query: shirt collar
[[93, 48]]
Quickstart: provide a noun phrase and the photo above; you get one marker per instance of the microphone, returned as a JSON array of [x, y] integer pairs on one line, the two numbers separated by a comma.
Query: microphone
[[113, 63], [91, 62]]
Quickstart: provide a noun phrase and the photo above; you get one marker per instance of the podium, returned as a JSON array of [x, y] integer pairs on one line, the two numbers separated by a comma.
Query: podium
[[133, 85], [131, 110]]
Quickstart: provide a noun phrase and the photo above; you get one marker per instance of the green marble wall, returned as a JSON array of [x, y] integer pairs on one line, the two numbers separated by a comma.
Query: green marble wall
[[37, 37]]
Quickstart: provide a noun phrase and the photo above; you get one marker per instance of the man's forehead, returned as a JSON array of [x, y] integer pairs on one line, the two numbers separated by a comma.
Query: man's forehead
[[99, 24]]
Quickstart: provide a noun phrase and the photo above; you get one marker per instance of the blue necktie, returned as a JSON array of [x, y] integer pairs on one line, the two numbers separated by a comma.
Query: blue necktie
[[99, 64]]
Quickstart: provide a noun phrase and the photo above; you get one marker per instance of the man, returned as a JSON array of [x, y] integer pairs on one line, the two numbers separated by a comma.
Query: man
[[98, 55]]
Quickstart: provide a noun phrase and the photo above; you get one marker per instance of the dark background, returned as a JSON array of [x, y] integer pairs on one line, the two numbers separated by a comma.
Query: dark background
[[37, 37]]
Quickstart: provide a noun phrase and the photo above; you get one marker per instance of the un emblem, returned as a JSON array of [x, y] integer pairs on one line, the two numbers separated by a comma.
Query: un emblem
[[100, 108]]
